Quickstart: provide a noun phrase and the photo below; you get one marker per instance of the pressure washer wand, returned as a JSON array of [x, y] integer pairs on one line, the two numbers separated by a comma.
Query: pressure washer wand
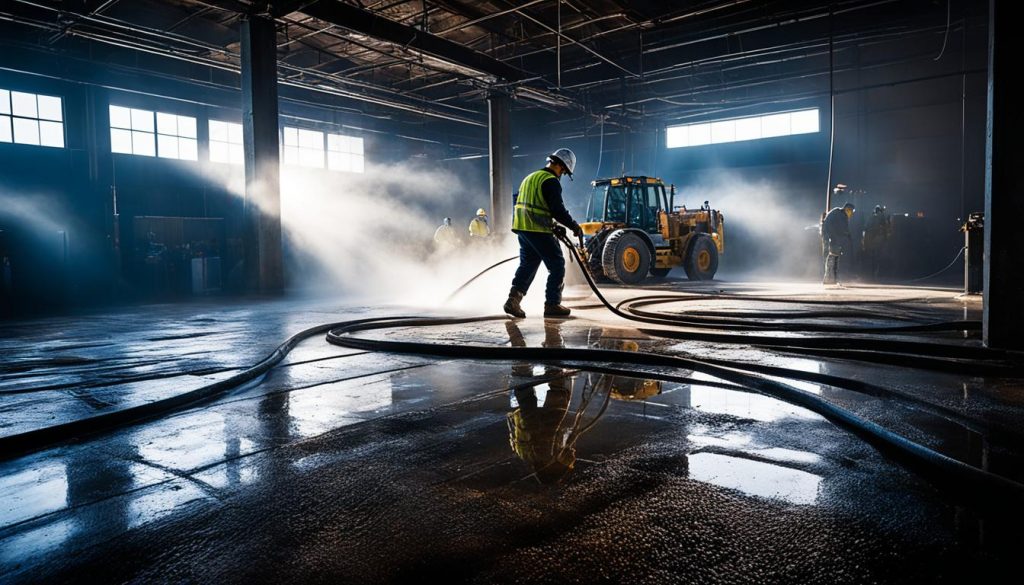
[[579, 249]]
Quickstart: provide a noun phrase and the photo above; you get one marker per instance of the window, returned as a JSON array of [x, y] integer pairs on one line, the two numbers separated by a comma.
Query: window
[[226, 143], [344, 153], [306, 148], [133, 131], [749, 128], [28, 118], [176, 137], [303, 147]]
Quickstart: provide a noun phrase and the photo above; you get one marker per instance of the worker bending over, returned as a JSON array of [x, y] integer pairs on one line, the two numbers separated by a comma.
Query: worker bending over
[[538, 206], [835, 239]]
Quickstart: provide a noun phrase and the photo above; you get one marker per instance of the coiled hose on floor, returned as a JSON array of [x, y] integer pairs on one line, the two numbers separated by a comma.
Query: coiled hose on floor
[[968, 481], [981, 486]]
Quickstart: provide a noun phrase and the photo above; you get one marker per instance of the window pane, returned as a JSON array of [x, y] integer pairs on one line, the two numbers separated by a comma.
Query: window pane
[[188, 149], [357, 146], [167, 146], [23, 104], [5, 101], [676, 136], [51, 134], [237, 154], [120, 141], [699, 134], [311, 139], [219, 152], [748, 128], [309, 157], [775, 125], [186, 126], [357, 163], [334, 161], [143, 144], [804, 122], [723, 131], [120, 117], [5, 129], [218, 131], [26, 131], [142, 120], [167, 124], [291, 136], [334, 142], [235, 133], [50, 108]]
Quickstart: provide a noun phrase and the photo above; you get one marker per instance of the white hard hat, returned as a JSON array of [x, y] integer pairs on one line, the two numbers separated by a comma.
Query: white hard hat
[[481, 211], [566, 157]]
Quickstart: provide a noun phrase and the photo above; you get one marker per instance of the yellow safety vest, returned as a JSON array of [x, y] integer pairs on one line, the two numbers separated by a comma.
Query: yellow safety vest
[[478, 228], [532, 213]]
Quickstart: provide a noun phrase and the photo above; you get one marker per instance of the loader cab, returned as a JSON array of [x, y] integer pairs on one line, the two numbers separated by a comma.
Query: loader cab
[[633, 201]]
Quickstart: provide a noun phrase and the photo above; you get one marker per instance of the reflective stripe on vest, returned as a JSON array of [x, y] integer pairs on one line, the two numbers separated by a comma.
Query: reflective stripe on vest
[[532, 213]]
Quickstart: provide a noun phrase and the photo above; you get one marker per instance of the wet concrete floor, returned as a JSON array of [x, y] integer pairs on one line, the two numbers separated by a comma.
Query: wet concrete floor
[[357, 467]]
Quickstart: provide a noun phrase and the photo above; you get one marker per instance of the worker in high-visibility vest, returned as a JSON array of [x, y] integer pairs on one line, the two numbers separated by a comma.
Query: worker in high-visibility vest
[[478, 226], [445, 237], [538, 206]]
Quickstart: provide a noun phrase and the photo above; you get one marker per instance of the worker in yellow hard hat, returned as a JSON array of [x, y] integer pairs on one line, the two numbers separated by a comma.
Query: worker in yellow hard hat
[[478, 226]]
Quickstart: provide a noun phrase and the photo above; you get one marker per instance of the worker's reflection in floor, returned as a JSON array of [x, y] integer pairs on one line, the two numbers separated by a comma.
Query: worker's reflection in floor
[[537, 425], [542, 430]]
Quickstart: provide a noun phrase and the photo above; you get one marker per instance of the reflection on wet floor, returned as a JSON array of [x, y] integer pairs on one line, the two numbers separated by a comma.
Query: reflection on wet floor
[[544, 429], [33, 492], [743, 404], [510, 420], [547, 420], [755, 478]]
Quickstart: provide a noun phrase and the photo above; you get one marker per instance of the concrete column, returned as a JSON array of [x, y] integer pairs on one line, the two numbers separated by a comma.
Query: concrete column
[[262, 234], [1004, 188], [500, 145]]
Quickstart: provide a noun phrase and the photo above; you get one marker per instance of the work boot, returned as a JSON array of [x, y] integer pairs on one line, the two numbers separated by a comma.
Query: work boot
[[555, 310], [512, 304]]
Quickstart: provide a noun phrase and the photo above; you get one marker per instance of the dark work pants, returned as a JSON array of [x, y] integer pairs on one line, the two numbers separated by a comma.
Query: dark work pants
[[832, 248], [535, 248]]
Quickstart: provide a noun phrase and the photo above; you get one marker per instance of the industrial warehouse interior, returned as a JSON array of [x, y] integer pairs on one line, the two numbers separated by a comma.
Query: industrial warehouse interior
[[510, 291]]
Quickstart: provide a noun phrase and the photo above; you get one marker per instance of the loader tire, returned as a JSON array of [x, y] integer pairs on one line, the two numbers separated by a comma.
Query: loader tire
[[626, 259], [702, 260]]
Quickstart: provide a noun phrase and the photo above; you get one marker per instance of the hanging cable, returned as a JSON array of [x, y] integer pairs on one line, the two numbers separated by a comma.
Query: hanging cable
[[945, 38], [831, 110], [940, 271]]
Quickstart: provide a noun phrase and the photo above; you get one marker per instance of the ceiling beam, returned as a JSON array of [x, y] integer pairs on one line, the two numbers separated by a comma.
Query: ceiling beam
[[368, 23]]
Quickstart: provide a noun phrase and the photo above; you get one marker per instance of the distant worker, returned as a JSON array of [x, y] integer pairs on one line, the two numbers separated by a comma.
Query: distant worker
[[445, 236], [875, 239], [478, 226], [538, 206], [835, 239]]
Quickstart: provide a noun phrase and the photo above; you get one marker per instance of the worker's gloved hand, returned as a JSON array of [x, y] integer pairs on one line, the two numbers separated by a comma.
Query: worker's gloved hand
[[559, 232], [577, 230]]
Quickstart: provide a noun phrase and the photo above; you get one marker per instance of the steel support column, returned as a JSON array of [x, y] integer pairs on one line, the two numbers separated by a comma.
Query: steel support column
[[262, 231], [499, 132], [1004, 189]]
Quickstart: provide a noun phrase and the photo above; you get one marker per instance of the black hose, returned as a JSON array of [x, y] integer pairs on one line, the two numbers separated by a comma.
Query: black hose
[[12, 446], [976, 483], [478, 275]]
